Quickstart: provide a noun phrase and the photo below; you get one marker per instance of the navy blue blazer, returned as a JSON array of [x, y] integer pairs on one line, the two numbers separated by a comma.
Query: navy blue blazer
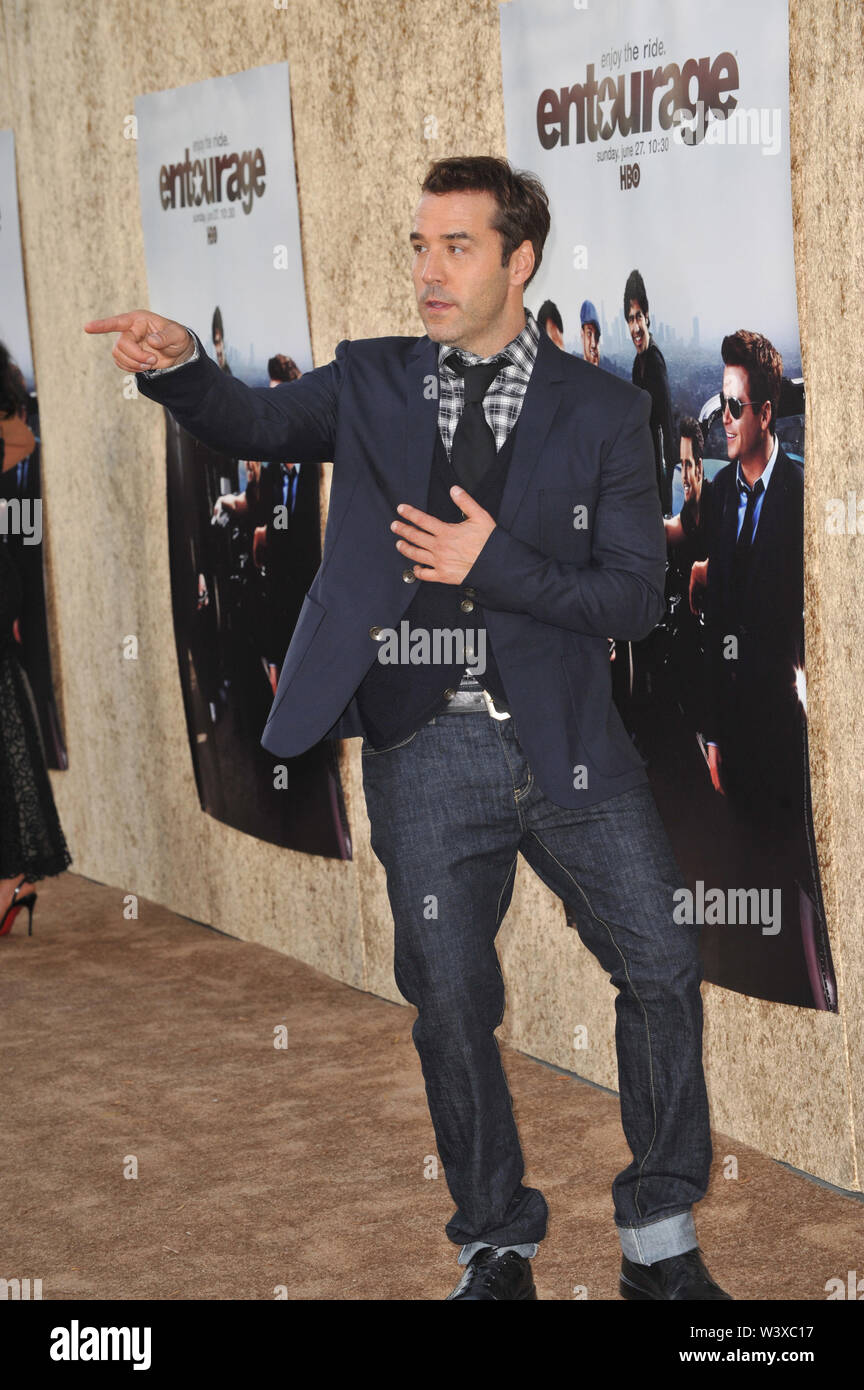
[[578, 554], [769, 620]]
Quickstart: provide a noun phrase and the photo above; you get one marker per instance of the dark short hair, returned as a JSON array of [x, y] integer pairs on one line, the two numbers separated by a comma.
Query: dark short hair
[[217, 325], [523, 204], [282, 368], [635, 289], [548, 311], [762, 363], [13, 392], [692, 430]]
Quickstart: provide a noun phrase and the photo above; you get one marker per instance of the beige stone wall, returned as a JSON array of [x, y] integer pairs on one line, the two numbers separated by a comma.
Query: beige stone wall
[[364, 75]]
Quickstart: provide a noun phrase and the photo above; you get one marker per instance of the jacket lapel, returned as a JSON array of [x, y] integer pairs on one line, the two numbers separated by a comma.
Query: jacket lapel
[[420, 423], [728, 533], [773, 505], [540, 403]]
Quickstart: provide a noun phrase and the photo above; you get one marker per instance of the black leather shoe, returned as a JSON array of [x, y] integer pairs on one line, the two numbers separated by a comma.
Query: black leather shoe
[[678, 1277], [494, 1276]]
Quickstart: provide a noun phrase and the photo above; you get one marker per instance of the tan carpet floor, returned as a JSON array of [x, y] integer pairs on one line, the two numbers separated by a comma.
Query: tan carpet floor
[[151, 1043]]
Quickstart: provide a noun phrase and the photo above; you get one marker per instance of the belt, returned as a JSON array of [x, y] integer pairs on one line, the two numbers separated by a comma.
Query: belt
[[473, 701]]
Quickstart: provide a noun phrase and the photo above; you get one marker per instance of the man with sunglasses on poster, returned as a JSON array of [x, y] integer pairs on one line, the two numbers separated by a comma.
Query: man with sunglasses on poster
[[754, 616]]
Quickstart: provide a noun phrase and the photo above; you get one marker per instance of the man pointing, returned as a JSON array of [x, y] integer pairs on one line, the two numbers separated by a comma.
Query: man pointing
[[484, 482]]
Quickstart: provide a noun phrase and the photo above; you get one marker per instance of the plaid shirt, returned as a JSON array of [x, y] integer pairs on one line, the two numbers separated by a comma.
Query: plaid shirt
[[503, 401], [501, 405]]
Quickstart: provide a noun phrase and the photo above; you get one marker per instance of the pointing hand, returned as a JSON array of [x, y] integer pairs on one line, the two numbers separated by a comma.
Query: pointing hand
[[146, 340]]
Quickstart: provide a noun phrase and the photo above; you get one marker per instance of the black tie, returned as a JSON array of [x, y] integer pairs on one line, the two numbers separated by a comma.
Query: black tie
[[473, 449], [288, 472], [745, 535]]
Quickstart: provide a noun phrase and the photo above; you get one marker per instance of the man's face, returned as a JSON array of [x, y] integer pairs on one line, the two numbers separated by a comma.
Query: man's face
[[590, 344], [691, 471], [461, 286], [638, 326], [746, 436], [219, 348], [554, 332]]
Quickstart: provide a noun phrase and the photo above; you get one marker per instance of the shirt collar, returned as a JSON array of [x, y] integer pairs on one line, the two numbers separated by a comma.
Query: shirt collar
[[521, 351], [765, 475]]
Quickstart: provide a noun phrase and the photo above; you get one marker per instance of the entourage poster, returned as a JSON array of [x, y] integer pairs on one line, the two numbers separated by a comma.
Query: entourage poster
[[660, 131], [21, 510], [221, 229]]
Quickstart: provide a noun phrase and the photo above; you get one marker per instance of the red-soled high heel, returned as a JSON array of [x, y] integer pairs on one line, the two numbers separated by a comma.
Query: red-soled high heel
[[28, 901]]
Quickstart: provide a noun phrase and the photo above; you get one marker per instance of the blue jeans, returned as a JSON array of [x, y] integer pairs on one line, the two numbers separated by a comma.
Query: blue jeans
[[450, 809]]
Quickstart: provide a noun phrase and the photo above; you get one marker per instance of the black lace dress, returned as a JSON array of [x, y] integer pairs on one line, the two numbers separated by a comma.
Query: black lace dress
[[31, 838]]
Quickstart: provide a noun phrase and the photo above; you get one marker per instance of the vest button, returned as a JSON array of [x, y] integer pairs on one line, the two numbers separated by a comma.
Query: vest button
[[448, 694], [409, 576], [466, 605], [470, 593], [377, 633]]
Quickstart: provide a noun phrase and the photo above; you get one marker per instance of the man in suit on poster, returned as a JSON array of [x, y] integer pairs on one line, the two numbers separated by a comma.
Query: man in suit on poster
[[487, 485], [754, 723], [649, 372]]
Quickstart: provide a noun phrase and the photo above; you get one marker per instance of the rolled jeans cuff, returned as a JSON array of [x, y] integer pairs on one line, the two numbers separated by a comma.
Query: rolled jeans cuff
[[469, 1251], [645, 1245]]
